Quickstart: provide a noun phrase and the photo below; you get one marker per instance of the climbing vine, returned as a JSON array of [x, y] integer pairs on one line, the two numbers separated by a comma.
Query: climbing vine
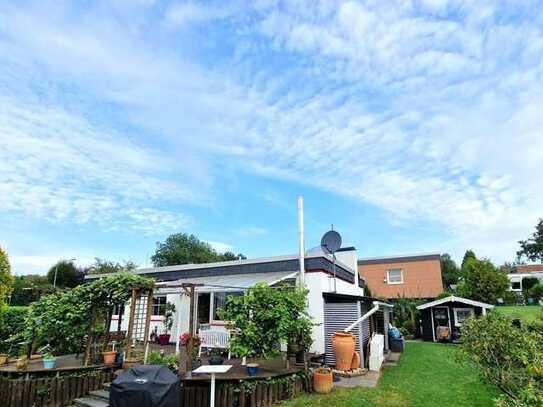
[[62, 319]]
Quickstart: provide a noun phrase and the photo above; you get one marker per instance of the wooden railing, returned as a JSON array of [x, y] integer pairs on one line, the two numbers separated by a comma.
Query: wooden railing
[[50, 391], [261, 394]]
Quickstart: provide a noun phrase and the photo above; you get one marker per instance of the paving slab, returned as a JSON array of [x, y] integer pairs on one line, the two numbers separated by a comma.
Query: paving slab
[[368, 380]]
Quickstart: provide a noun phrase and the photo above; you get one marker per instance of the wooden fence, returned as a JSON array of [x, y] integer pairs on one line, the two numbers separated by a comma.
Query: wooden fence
[[230, 395], [50, 391]]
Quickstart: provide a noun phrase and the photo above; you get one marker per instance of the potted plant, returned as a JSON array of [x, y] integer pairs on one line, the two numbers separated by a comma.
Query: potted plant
[[164, 338], [303, 340], [252, 369], [49, 361], [323, 380], [215, 357], [110, 355], [21, 363]]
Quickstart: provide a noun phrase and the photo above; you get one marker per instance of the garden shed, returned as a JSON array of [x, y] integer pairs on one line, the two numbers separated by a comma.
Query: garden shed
[[440, 320]]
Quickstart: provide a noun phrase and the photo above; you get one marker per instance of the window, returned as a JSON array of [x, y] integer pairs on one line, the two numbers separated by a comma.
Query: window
[[159, 305], [461, 314], [395, 276], [219, 301], [515, 285]]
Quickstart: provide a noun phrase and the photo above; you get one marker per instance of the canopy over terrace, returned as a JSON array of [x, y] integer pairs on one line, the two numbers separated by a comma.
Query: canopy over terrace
[[191, 287]]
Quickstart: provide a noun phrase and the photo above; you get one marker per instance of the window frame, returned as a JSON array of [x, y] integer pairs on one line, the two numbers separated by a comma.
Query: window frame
[[158, 305], [516, 281], [212, 320], [394, 282], [455, 313]]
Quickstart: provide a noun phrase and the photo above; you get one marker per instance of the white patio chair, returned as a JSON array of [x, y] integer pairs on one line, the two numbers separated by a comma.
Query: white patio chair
[[214, 338]]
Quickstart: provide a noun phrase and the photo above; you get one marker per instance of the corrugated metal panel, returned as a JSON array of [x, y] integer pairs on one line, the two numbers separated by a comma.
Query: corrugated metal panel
[[337, 317]]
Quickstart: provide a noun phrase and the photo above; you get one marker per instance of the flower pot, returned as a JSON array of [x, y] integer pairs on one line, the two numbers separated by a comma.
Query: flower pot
[[3, 358], [131, 362], [109, 357], [355, 363], [252, 369], [323, 380], [344, 344], [21, 363], [216, 360], [49, 363], [164, 339]]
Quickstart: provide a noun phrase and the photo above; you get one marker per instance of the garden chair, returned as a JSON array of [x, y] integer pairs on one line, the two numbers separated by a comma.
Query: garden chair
[[214, 339]]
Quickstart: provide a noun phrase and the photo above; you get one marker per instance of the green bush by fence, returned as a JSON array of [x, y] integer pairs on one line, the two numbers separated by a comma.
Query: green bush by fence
[[12, 322]]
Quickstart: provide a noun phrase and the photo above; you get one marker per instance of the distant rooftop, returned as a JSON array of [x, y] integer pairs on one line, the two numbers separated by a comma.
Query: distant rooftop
[[399, 258]]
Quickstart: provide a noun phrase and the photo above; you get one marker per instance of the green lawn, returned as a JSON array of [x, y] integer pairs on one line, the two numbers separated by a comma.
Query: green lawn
[[528, 313], [427, 375]]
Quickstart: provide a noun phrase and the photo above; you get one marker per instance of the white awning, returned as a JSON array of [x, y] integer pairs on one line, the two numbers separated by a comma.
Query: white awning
[[225, 283]]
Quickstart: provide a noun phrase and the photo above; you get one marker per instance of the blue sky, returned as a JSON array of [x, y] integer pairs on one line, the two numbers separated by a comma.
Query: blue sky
[[411, 125]]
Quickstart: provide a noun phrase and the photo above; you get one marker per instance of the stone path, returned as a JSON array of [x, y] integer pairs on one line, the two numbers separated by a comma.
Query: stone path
[[370, 379]]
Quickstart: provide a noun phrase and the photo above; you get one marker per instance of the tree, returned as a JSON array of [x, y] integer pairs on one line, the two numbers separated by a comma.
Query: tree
[[470, 254], [182, 248], [482, 281], [29, 288], [68, 275], [101, 266], [532, 248], [6, 279], [450, 273]]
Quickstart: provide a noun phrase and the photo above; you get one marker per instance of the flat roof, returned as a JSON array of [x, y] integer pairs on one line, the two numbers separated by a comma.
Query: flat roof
[[290, 263], [400, 258]]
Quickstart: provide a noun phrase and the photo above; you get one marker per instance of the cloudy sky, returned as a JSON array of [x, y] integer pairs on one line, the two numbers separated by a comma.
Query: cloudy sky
[[411, 125]]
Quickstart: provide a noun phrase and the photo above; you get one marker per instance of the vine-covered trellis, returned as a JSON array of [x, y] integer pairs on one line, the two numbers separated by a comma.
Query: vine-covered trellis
[[63, 320]]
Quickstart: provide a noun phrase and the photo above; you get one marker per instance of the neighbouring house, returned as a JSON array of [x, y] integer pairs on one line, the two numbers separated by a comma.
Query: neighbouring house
[[407, 276], [441, 320], [521, 271], [335, 301]]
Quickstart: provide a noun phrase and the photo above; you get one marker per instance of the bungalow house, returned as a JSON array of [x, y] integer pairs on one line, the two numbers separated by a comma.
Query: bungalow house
[[335, 301], [522, 271], [406, 276]]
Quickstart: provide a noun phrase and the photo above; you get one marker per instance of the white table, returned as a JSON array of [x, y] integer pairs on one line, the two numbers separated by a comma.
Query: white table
[[213, 370]]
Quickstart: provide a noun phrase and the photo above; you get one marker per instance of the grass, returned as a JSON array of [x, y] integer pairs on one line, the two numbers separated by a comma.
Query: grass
[[527, 313], [426, 376]]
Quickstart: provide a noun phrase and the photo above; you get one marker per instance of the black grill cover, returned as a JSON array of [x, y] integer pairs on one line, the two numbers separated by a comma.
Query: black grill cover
[[145, 386]]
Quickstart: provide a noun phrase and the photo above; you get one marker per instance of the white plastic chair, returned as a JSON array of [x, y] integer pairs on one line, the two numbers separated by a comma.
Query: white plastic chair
[[212, 338]]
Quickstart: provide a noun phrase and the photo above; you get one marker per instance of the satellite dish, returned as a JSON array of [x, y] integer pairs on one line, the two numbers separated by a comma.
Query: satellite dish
[[331, 242]]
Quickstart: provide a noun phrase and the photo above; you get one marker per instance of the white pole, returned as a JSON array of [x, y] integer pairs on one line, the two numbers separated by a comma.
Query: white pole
[[212, 401], [178, 329], [301, 240]]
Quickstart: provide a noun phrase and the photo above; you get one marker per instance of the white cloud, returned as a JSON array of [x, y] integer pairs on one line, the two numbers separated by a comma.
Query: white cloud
[[220, 247], [427, 115]]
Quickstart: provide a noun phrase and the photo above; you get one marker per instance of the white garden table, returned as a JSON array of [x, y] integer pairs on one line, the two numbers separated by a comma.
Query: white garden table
[[212, 370]]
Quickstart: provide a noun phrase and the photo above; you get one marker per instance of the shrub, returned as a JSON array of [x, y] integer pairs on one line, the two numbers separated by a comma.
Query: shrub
[[405, 315], [12, 322], [511, 358], [536, 292], [266, 317], [170, 361]]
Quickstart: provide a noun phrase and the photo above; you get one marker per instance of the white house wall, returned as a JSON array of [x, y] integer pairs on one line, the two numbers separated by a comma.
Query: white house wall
[[317, 284]]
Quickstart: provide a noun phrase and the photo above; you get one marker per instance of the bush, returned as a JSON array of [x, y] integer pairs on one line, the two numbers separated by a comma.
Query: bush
[[511, 358], [513, 298], [12, 322], [170, 361], [536, 292], [405, 315]]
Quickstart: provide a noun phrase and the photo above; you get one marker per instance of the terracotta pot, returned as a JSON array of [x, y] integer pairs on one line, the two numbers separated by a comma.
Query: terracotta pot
[[323, 380], [344, 344], [355, 364], [109, 357], [128, 363]]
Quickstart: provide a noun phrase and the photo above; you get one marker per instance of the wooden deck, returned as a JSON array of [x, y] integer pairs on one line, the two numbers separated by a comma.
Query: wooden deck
[[64, 363]]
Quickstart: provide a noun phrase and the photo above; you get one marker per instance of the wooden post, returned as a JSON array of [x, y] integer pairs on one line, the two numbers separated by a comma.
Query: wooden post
[[108, 327], [90, 336], [148, 319], [190, 343], [130, 324]]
